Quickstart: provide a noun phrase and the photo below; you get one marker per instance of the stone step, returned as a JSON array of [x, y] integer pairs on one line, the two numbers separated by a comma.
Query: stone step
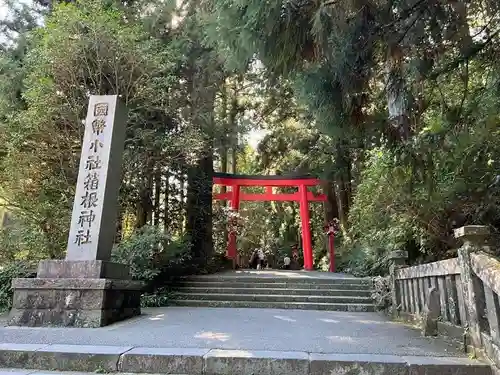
[[292, 285], [279, 279], [351, 307], [194, 361], [277, 291], [274, 298]]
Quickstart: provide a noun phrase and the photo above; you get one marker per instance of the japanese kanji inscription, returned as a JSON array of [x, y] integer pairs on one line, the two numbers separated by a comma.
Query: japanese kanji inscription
[[94, 211]]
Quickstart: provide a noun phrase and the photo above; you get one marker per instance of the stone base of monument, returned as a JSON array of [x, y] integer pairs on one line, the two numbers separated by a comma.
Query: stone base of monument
[[75, 294]]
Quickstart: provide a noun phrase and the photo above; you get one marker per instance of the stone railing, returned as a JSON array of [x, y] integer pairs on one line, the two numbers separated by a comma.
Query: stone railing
[[463, 293], [413, 285]]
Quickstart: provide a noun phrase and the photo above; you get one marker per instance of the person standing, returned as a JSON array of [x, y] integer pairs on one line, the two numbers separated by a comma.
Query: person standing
[[260, 260], [287, 262]]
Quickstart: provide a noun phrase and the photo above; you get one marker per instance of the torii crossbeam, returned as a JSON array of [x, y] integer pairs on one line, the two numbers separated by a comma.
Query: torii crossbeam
[[235, 196]]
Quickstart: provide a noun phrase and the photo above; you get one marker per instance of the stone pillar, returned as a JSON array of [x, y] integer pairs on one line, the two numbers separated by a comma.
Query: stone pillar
[[86, 289], [474, 238], [397, 261]]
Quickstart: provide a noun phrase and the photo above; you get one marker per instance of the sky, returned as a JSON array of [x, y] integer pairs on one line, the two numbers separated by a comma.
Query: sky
[[255, 136], [2, 9]]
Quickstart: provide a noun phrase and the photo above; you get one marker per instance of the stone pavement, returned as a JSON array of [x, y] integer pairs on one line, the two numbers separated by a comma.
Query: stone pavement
[[252, 329], [235, 341]]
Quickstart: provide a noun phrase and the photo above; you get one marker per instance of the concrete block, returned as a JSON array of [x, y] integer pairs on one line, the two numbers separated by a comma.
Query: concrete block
[[359, 364], [446, 366], [163, 360], [245, 362], [17, 355], [88, 358]]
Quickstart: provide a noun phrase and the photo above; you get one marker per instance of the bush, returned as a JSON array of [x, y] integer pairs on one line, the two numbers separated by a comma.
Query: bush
[[158, 298], [7, 273], [153, 255], [362, 261], [23, 240]]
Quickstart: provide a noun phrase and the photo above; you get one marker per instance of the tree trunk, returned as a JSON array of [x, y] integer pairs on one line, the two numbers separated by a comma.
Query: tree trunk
[[397, 97], [233, 126], [202, 89], [331, 204], [199, 208], [183, 199], [224, 140], [166, 213], [157, 197], [342, 183]]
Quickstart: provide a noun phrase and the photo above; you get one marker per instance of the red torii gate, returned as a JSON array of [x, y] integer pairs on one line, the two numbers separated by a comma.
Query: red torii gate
[[303, 196]]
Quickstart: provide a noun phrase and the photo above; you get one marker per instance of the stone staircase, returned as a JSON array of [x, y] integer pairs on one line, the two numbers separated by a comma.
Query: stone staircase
[[275, 291]]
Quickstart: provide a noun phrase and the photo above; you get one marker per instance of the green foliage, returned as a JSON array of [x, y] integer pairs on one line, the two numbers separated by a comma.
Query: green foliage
[[412, 199], [8, 272], [99, 47], [83, 48], [394, 104], [362, 261], [159, 298], [151, 253], [22, 241]]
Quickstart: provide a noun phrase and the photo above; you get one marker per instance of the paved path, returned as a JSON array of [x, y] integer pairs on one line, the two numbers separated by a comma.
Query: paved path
[[251, 329]]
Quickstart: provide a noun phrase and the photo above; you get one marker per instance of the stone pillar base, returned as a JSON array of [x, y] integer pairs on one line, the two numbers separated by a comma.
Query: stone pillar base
[[75, 294]]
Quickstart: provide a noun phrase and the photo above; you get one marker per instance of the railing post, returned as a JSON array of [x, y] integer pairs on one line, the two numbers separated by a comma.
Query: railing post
[[474, 237], [397, 261]]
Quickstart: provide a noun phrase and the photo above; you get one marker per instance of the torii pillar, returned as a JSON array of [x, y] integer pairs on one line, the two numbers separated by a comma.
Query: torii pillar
[[235, 206], [306, 228]]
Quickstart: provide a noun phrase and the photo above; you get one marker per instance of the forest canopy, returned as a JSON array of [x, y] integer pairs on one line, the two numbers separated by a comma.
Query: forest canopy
[[393, 104]]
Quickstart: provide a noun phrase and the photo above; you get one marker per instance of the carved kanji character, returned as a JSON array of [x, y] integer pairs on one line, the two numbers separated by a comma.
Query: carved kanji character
[[98, 126], [93, 163], [82, 237], [95, 144], [101, 109], [89, 200], [91, 181], [86, 217]]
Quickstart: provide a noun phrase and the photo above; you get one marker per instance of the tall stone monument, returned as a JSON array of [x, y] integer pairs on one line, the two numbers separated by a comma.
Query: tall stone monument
[[86, 289]]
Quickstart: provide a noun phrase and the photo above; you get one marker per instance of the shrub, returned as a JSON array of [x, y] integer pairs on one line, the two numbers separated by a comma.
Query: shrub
[[158, 298], [363, 261], [152, 254], [23, 240], [7, 273]]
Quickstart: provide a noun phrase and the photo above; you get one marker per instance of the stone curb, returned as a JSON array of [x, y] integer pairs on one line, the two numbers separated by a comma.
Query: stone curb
[[195, 361]]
